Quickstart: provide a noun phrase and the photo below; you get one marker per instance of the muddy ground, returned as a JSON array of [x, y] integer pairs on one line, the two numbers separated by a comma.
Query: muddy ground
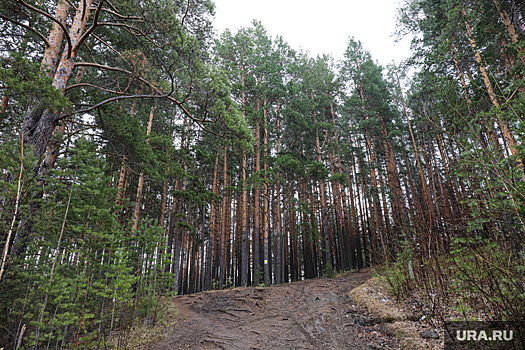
[[311, 314]]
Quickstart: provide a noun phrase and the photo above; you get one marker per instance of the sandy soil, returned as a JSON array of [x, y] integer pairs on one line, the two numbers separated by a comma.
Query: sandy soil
[[311, 314]]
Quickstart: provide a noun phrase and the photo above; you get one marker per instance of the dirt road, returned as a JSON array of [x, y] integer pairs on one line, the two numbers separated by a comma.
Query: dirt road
[[311, 314]]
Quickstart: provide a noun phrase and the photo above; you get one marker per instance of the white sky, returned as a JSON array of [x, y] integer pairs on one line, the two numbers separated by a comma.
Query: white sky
[[321, 26]]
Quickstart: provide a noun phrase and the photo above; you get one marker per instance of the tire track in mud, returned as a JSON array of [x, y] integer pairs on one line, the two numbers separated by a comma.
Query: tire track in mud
[[309, 314]]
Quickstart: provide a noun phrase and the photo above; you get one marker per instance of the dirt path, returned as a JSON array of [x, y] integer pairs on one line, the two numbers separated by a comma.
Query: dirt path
[[311, 314]]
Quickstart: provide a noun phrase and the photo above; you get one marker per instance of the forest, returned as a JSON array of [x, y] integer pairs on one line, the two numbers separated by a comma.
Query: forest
[[143, 155]]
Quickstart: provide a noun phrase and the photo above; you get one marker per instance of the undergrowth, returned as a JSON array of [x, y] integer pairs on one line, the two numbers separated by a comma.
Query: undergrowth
[[476, 279]]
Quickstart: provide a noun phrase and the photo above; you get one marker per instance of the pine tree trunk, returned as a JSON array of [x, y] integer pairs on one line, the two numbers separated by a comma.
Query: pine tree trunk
[[510, 141], [257, 209], [140, 186], [314, 225], [510, 29], [334, 229], [325, 229], [237, 243], [492, 136], [225, 206], [369, 210], [418, 217], [426, 193], [229, 274], [162, 219], [279, 278], [355, 221], [384, 216], [244, 230], [294, 251], [266, 213], [52, 52], [171, 236], [38, 127], [349, 250], [397, 201], [3, 104], [452, 191], [376, 207], [175, 230], [336, 202], [211, 245]]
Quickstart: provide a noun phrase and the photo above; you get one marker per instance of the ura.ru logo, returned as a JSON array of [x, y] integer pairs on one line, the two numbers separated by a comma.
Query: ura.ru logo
[[495, 335]]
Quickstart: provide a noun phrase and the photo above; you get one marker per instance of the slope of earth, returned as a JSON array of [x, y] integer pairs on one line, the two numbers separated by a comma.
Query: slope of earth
[[310, 314]]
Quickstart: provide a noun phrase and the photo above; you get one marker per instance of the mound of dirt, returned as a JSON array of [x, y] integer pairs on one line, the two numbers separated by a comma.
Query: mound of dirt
[[310, 314]]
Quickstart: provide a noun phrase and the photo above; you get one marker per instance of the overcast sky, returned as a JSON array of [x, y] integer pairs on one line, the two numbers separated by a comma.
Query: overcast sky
[[321, 26]]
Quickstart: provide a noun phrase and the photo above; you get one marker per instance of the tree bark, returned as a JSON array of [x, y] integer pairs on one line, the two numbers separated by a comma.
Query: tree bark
[[39, 127], [211, 244], [52, 52], [510, 29], [257, 272], [266, 212], [510, 141], [225, 206], [277, 221], [244, 230], [140, 186]]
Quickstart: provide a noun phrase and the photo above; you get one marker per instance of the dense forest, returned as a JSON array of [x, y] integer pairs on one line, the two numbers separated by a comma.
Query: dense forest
[[143, 155]]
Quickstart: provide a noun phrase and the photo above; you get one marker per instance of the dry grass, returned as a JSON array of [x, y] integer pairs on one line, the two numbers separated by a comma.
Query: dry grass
[[374, 296], [140, 336], [401, 319]]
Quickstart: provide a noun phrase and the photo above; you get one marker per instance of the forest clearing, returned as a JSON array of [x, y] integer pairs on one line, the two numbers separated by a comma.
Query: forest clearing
[[148, 162]]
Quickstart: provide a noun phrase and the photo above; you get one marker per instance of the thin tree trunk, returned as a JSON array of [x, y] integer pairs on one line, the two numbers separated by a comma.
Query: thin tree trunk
[[244, 230], [510, 29], [279, 276], [15, 214], [266, 212], [210, 246], [397, 200], [426, 193], [225, 205], [138, 197], [257, 209], [347, 233], [121, 188], [378, 219], [504, 127], [325, 228]]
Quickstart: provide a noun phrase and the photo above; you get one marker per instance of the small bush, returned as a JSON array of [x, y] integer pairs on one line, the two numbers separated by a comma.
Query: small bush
[[329, 271]]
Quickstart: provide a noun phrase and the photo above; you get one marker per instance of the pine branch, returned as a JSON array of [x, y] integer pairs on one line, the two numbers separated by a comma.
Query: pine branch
[[27, 27]]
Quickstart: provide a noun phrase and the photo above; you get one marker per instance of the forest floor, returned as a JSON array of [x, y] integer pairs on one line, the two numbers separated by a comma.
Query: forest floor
[[319, 313]]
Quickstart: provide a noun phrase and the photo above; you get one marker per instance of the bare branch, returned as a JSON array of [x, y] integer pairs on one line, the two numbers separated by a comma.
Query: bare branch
[[112, 6], [91, 29], [160, 94], [71, 4], [64, 29], [135, 29], [83, 8], [100, 66], [95, 87], [185, 14], [112, 99], [109, 46], [27, 27], [119, 15]]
